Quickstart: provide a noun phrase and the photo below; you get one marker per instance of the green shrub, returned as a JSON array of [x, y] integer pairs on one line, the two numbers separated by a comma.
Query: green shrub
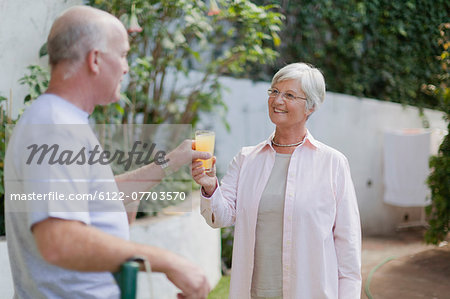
[[439, 180], [380, 49], [179, 36], [227, 246]]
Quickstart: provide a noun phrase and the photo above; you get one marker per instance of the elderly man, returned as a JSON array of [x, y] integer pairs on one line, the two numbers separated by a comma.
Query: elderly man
[[70, 253]]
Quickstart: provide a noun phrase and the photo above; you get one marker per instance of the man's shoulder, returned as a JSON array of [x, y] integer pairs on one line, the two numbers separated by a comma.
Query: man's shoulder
[[38, 112], [51, 109]]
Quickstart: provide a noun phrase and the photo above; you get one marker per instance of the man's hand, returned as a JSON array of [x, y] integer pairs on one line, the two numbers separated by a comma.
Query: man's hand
[[189, 278], [184, 154]]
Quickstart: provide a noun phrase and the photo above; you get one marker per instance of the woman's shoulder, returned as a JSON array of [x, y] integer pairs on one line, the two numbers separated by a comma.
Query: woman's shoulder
[[253, 149], [248, 153], [329, 151]]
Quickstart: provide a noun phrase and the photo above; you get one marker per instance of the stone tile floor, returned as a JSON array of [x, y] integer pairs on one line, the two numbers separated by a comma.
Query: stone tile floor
[[417, 270]]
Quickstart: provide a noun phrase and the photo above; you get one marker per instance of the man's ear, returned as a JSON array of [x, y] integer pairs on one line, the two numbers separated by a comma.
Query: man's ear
[[93, 59]]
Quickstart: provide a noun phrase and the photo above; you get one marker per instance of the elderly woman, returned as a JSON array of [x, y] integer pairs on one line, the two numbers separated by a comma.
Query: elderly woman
[[292, 201]]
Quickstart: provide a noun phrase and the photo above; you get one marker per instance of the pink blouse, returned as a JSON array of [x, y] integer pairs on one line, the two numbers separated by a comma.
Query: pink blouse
[[321, 255]]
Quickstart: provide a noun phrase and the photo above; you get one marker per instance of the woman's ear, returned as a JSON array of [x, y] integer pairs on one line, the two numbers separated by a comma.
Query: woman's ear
[[93, 59], [310, 111]]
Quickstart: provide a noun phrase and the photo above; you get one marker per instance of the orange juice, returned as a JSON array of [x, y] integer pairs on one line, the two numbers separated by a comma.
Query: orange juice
[[204, 142]]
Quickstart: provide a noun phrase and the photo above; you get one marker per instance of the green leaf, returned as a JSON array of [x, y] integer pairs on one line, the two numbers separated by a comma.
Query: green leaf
[[276, 39], [43, 50]]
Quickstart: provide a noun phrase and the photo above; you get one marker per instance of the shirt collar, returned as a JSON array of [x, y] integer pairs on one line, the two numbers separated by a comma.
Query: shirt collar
[[75, 110], [309, 140]]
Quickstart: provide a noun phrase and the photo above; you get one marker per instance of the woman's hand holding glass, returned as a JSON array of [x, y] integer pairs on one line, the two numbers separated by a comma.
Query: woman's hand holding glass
[[207, 180]]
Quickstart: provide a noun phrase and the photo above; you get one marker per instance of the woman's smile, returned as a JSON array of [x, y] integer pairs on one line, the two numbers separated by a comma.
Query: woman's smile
[[278, 110]]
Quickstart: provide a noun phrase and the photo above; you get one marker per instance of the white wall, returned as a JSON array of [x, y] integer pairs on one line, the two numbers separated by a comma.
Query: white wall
[[6, 285], [24, 26], [352, 125]]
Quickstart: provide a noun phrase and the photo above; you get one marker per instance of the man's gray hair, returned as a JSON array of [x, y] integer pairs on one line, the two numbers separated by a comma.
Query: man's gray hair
[[311, 82], [72, 38]]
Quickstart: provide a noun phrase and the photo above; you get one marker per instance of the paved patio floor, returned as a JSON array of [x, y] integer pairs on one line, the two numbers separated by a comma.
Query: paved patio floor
[[406, 267]]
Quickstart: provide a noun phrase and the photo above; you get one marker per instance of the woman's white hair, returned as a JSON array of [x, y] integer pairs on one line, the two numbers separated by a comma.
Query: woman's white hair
[[311, 82]]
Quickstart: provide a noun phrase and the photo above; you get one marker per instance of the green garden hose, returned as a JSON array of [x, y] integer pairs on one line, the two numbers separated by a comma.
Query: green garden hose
[[369, 278]]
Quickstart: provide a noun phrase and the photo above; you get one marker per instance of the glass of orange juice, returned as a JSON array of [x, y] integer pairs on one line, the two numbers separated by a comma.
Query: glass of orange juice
[[204, 142]]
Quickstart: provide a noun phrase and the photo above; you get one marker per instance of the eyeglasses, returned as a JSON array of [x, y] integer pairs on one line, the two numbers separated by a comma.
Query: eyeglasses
[[273, 93]]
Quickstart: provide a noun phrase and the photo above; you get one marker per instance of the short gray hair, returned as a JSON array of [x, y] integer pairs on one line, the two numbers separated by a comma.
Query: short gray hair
[[74, 43], [311, 82], [74, 34]]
